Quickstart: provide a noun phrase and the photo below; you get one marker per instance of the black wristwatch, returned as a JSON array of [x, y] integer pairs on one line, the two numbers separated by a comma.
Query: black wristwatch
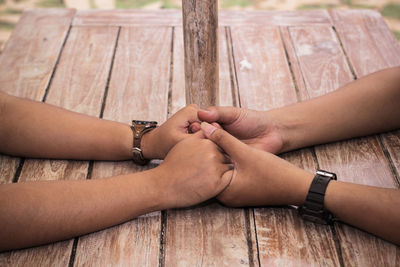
[[313, 208], [139, 128]]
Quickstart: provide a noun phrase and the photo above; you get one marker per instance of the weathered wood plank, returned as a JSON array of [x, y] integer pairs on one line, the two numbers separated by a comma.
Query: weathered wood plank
[[56, 254], [134, 243], [283, 238], [26, 66], [209, 234], [138, 90], [297, 77], [325, 69], [228, 92], [8, 167], [370, 46], [177, 87], [78, 84], [274, 18], [263, 74], [30, 55], [200, 32], [128, 18], [227, 96], [174, 17]]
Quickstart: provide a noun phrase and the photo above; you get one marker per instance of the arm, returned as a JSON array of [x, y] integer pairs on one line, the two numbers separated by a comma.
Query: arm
[[275, 181], [366, 106], [35, 213], [35, 129]]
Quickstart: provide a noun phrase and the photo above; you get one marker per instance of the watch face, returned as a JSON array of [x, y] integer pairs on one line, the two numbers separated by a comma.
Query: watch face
[[330, 175]]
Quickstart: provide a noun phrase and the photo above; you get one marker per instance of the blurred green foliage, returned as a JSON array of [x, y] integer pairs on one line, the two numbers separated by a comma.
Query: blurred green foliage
[[169, 4], [51, 3], [391, 10], [231, 3], [397, 35], [316, 6], [129, 4], [4, 25], [10, 11]]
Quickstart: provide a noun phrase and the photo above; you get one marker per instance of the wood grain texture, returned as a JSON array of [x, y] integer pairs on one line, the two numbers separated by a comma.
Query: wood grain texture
[[283, 238], [265, 83], [361, 160], [174, 17], [138, 90], [200, 32], [8, 167], [79, 85], [128, 18], [369, 43], [56, 254], [209, 234], [370, 46], [274, 18], [322, 62], [295, 69], [134, 243], [84, 68], [177, 90], [228, 89], [30, 55], [26, 67], [228, 94], [263, 74]]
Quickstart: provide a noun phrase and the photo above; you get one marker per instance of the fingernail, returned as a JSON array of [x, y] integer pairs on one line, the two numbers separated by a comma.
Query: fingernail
[[208, 128], [206, 111]]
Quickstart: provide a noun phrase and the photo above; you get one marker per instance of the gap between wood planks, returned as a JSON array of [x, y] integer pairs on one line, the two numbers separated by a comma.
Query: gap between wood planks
[[22, 160], [378, 136], [103, 104], [163, 228], [237, 103], [338, 247]]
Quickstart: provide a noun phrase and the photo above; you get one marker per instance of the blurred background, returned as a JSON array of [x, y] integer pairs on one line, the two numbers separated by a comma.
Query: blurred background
[[11, 10]]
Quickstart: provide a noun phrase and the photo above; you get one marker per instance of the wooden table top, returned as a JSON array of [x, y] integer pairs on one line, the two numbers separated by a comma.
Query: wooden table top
[[111, 64]]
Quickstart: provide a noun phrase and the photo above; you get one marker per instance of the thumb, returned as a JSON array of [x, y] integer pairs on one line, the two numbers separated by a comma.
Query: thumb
[[232, 146], [223, 115]]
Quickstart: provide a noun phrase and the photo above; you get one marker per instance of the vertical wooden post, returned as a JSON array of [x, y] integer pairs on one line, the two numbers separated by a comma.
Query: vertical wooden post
[[200, 27]]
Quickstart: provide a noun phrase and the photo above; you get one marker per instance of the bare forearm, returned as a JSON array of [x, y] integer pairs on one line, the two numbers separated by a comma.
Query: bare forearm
[[41, 212], [34, 129], [367, 106], [375, 210]]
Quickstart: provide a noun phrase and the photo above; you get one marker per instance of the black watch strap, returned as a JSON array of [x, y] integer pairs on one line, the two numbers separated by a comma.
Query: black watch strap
[[313, 208]]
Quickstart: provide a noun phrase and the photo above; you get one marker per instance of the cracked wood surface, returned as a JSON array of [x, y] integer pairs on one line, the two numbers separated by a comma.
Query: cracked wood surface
[[267, 59]]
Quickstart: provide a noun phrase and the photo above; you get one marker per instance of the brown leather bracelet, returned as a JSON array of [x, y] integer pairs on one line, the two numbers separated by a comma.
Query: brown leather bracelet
[[139, 128]]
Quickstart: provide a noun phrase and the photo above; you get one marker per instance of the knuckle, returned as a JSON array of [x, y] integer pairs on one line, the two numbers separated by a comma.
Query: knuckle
[[217, 135], [193, 106]]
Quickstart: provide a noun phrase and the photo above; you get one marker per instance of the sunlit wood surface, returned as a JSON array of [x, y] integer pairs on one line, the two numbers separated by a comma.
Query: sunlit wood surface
[[113, 64]]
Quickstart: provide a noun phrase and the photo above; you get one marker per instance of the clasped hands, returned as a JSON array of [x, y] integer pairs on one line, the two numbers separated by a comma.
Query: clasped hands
[[222, 152]]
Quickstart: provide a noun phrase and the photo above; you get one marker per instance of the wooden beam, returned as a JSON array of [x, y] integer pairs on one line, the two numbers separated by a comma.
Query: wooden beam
[[200, 25]]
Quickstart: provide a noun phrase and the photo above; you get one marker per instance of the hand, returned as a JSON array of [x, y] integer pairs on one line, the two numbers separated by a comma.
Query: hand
[[254, 128], [194, 170], [258, 177], [157, 143]]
